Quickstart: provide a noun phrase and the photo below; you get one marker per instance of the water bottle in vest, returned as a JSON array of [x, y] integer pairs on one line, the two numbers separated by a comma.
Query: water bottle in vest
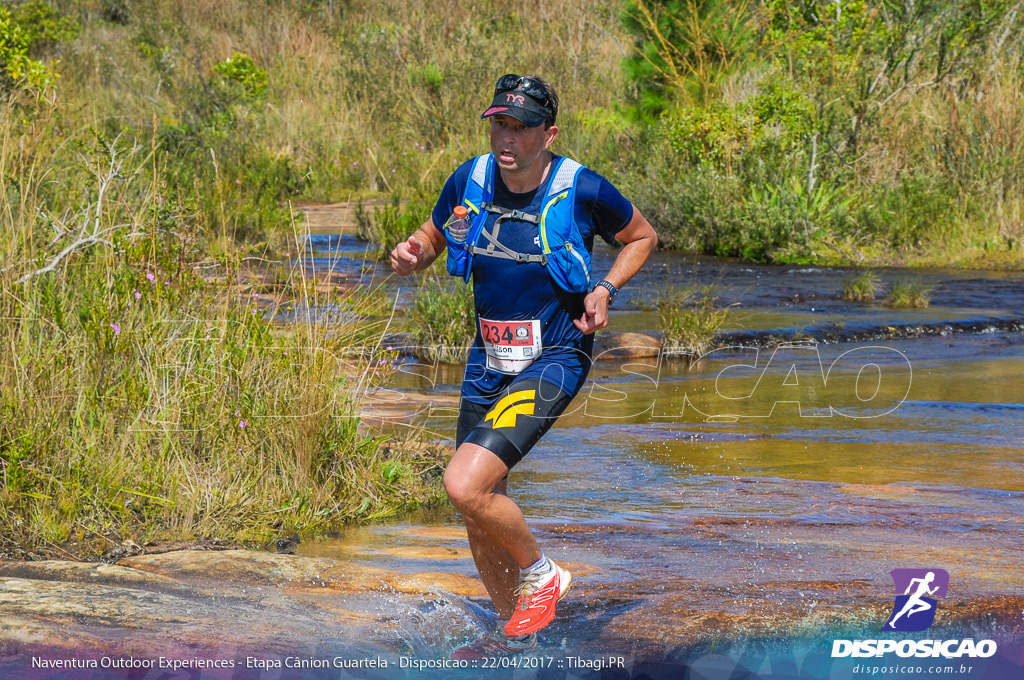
[[458, 224]]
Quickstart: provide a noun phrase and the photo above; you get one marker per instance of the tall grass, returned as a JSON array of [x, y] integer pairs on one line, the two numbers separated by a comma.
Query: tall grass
[[362, 98], [442, 322], [909, 293], [690, 318], [844, 135], [146, 391], [862, 287], [850, 136], [179, 133]]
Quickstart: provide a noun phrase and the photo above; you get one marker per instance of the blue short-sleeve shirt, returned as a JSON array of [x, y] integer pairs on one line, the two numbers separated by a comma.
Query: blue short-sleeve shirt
[[505, 290]]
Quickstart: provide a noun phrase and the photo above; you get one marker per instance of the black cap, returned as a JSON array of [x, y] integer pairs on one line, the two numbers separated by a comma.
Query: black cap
[[522, 98]]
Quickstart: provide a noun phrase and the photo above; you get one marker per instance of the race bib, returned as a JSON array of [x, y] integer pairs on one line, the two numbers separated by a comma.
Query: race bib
[[511, 346]]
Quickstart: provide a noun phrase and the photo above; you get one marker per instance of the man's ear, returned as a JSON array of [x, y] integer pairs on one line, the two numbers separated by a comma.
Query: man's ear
[[549, 135]]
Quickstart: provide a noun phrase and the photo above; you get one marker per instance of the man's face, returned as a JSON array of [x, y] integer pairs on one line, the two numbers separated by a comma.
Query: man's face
[[515, 146]]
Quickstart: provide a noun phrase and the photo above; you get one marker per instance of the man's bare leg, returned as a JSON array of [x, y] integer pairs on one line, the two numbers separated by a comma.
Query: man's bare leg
[[500, 539], [498, 571]]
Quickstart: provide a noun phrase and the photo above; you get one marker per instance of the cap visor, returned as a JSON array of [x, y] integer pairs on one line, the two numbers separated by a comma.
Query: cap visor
[[525, 117], [495, 110]]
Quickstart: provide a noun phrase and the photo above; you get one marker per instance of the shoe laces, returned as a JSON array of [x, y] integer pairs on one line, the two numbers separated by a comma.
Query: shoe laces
[[531, 582]]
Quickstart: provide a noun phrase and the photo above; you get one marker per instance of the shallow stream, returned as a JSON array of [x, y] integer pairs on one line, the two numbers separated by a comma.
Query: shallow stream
[[765, 492], [737, 517]]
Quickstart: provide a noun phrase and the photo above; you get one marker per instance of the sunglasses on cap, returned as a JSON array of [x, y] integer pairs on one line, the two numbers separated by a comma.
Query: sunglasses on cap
[[526, 99], [514, 82]]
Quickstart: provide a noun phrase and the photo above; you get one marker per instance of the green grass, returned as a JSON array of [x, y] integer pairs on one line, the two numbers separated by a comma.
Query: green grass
[[178, 134], [855, 137], [442, 322], [805, 145], [690, 319], [147, 391], [909, 293], [173, 409], [862, 287]]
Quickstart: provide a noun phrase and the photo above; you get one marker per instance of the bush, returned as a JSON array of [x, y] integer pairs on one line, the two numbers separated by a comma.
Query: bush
[[147, 390], [908, 293], [17, 70], [854, 135], [863, 287], [390, 224], [690, 319], [442, 321]]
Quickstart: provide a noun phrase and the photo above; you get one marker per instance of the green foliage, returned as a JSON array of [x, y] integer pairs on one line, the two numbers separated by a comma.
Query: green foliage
[[119, 422], [442, 321], [211, 425], [684, 47], [17, 70], [115, 11], [147, 390], [849, 137], [215, 142], [242, 70], [43, 25], [908, 293], [429, 76], [742, 180], [391, 223], [865, 54], [862, 287], [690, 319]]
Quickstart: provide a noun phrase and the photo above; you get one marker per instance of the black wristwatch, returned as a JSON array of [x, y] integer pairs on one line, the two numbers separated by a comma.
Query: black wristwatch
[[612, 290]]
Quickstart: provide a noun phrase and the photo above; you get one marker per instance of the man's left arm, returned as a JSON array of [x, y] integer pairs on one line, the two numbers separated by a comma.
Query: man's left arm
[[639, 241]]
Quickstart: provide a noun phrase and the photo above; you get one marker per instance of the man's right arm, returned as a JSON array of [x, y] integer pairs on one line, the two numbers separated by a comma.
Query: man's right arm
[[418, 251]]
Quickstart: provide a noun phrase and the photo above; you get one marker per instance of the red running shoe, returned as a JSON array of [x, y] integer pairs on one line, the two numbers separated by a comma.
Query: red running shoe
[[493, 646], [538, 595]]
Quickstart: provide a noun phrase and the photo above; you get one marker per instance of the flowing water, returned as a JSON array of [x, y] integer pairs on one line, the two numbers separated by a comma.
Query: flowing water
[[724, 519], [765, 492]]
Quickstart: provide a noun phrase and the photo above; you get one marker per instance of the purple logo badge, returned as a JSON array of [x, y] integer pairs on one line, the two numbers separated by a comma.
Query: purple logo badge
[[914, 608]]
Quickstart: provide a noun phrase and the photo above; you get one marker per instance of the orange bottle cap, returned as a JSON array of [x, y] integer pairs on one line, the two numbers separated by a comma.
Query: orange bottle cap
[[460, 211]]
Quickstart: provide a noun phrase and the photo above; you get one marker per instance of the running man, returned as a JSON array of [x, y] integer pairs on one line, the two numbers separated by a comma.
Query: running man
[[915, 603], [537, 307]]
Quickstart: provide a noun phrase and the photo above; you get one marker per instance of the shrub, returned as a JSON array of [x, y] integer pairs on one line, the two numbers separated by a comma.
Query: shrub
[[684, 48], [908, 293], [390, 224], [442, 321], [862, 287], [690, 318], [17, 70], [147, 392]]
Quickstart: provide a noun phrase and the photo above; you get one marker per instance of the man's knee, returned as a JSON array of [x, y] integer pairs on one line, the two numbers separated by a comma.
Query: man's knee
[[462, 491]]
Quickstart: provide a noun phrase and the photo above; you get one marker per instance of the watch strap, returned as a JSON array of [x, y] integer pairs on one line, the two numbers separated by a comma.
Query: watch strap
[[612, 290]]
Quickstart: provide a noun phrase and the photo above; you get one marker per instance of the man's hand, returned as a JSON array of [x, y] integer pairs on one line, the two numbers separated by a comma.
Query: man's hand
[[595, 311], [406, 255]]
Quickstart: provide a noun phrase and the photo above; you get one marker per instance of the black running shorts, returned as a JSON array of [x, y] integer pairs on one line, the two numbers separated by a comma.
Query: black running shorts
[[511, 424]]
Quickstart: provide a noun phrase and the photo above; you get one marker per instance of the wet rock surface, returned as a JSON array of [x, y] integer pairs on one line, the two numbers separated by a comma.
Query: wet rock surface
[[216, 602], [671, 592], [237, 602]]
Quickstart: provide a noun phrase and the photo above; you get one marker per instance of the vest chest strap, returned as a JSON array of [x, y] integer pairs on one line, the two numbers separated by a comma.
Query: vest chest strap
[[510, 214]]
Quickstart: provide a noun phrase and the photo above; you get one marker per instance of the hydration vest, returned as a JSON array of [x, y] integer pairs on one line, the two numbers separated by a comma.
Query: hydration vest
[[564, 254]]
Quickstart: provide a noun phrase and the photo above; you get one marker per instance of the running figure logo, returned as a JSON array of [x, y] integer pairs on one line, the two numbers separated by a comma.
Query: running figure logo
[[914, 610]]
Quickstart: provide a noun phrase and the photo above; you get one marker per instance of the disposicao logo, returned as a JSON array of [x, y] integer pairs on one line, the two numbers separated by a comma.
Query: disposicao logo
[[914, 610]]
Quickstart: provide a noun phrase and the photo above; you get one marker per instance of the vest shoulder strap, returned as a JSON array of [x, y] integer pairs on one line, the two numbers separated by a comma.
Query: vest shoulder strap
[[480, 187], [564, 177]]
